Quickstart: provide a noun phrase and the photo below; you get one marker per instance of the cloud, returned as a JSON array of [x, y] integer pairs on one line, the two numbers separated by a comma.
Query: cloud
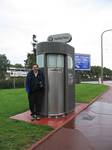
[[84, 19]]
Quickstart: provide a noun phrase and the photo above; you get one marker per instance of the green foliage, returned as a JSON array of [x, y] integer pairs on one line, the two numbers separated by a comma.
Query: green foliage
[[4, 63], [17, 135], [30, 60], [86, 92], [95, 73], [17, 66]]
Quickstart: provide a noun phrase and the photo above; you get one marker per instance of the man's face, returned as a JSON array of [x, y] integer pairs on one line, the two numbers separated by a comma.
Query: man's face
[[35, 68]]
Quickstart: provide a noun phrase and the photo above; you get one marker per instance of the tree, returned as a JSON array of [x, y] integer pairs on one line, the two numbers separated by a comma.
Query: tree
[[17, 65], [107, 73], [4, 64], [30, 60], [95, 73]]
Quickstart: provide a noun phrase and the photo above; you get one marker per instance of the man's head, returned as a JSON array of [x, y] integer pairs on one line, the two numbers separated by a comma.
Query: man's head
[[35, 67]]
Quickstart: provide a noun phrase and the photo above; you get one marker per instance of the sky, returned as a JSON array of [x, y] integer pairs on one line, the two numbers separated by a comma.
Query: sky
[[85, 20]]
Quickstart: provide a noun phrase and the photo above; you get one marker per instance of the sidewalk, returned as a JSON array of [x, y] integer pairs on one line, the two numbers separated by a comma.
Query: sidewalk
[[95, 123], [90, 130]]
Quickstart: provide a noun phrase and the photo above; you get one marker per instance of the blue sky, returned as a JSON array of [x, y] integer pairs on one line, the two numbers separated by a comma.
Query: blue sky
[[85, 20]]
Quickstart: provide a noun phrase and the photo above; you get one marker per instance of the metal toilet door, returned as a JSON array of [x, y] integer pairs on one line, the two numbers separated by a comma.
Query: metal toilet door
[[55, 68]]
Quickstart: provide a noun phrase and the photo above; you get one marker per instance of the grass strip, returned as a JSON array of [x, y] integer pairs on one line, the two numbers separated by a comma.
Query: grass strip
[[85, 92]]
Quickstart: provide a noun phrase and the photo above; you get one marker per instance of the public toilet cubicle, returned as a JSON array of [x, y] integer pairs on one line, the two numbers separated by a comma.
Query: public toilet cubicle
[[56, 60]]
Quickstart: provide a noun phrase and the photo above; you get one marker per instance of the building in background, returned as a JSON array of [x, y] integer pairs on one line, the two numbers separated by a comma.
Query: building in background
[[17, 72]]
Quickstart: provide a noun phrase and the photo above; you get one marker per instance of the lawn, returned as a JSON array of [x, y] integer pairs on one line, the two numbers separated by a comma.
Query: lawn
[[85, 92], [18, 135]]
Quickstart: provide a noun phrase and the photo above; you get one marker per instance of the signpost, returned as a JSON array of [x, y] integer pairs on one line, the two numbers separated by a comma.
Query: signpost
[[82, 62]]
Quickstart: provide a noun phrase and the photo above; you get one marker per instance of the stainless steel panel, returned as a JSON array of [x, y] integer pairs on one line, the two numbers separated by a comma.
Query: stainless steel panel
[[55, 91], [55, 64], [69, 92]]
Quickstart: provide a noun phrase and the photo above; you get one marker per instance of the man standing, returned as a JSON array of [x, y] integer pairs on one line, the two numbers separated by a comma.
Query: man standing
[[35, 90]]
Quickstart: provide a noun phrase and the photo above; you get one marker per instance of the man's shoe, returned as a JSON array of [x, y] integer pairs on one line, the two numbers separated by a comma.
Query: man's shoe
[[38, 118], [33, 117]]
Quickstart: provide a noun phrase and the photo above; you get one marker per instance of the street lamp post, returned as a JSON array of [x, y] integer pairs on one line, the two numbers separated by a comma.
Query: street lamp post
[[34, 44], [102, 53]]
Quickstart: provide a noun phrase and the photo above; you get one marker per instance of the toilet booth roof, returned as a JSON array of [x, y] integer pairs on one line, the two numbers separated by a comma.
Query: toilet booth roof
[[54, 47]]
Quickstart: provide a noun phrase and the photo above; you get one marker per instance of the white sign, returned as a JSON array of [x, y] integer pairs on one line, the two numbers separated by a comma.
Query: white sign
[[64, 38]]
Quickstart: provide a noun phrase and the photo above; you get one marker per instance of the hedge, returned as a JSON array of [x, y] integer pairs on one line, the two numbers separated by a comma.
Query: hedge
[[11, 83]]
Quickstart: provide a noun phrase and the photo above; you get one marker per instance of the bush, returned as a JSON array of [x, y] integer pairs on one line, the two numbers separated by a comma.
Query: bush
[[11, 83]]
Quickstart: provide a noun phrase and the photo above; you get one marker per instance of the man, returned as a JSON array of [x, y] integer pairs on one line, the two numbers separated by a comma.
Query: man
[[35, 90]]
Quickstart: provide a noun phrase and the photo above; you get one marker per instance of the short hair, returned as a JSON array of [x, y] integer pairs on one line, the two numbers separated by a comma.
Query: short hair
[[35, 65]]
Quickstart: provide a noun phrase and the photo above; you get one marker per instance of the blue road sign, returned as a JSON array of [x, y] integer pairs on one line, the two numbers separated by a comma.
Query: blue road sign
[[82, 61]]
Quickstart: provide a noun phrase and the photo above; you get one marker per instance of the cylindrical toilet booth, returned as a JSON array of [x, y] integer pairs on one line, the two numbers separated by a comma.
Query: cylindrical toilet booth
[[56, 60]]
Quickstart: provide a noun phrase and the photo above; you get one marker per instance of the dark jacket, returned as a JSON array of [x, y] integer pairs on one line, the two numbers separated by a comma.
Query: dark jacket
[[33, 83]]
